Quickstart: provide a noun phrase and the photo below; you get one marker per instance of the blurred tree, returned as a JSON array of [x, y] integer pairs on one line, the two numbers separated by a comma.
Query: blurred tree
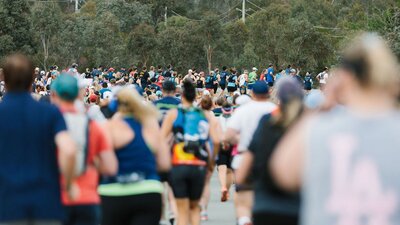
[[143, 42], [129, 14], [15, 29], [46, 21]]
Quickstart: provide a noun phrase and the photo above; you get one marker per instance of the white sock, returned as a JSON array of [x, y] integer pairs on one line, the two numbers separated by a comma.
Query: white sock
[[243, 220]]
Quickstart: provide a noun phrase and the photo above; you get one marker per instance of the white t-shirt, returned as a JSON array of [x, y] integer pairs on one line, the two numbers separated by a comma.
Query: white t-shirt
[[323, 77], [246, 118], [242, 80]]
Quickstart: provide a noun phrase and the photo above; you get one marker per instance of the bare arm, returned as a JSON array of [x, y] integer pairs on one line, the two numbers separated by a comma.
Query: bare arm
[[215, 132], [158, 143], [108, 164], [245, 166], [107, 160], [66, 156], [287, 161], [231, 136]]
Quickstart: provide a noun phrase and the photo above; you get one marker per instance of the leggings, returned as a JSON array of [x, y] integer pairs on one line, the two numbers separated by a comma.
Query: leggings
[[141, 209]]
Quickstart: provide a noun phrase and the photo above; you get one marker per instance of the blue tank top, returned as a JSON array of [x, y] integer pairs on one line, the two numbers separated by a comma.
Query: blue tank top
[[135, 158]]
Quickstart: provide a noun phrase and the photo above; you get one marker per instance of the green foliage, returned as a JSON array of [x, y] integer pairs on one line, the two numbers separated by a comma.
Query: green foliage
[[201, 34], [143, 42], [15, 29]]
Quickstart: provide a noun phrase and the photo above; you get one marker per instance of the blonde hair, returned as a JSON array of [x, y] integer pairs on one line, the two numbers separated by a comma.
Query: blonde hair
[[130, 102], [380, 66]]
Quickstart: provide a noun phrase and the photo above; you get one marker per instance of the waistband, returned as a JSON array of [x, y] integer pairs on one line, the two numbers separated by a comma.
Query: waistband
[[142, 187]]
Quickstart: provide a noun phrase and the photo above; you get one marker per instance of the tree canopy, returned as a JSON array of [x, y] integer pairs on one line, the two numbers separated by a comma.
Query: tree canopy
[[201, 34]]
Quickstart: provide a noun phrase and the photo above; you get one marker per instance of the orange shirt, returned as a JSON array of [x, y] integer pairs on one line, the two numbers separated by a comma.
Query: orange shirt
[[88, 181]]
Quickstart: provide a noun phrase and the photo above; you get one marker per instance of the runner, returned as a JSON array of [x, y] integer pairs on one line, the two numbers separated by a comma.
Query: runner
[[243, 79], [93, 144], [323, 78], [349, 168], [270, 75], [209, 83], [308, 82], [242, 124], [206, 104], [30, 132], [225, 173], [215, 78], [232, 82], [252, 78], [191, 128], [223, 78], [133, 196], [168, 102], [271, 204]]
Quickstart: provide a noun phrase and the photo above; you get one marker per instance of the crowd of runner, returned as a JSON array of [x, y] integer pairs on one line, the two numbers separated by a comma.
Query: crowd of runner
[[139, 146]]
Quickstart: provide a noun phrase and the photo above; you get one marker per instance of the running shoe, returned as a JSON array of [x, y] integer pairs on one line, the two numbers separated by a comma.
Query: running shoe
[[204, 216], [224, 195]]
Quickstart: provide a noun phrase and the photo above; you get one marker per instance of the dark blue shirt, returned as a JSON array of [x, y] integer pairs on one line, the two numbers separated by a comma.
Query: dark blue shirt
[[29, 174], [223, 77], [167, 103]]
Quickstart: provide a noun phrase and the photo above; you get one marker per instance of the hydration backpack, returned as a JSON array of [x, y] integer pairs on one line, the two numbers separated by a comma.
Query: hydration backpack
[[192, 129], [78, 128]]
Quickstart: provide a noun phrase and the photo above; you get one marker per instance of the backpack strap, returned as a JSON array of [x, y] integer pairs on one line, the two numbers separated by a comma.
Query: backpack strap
[[86, 149]]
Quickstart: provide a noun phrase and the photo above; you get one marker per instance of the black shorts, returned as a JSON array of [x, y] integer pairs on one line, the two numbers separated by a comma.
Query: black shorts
[[222, 86], [132, 209], [188, 181], [232, 89], [82, 215], [271, 84], [273, 218], [225, 158]]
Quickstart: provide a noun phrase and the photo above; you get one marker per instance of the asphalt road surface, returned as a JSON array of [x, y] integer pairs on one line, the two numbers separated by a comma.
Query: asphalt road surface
[[219, 213]]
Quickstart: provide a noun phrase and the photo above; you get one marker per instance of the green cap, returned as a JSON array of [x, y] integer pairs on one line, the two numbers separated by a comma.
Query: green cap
[[66, 87]]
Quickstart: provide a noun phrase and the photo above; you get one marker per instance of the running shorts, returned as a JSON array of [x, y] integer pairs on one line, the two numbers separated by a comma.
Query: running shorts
[[132, 209], [225, 158], [188, 181], [232, 89], [222, 86]]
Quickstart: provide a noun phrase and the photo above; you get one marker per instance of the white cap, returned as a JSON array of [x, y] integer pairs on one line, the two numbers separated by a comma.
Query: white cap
[[243, 99], [206, 92], [255, 69], [107, 95]]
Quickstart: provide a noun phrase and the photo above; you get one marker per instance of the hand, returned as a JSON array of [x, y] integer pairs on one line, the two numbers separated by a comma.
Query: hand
[[73, 192]]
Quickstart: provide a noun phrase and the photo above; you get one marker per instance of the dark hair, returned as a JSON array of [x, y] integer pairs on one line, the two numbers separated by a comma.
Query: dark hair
[[104, 85], [144, 68], [206, 102], [234, 99], [221, 101], [224, 68], [189, 90], [226, 105], [18, 72]]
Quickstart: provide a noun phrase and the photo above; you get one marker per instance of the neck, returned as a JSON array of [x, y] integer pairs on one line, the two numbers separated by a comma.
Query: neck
[[186, 104], [66, 105], [371, 102], [169, 94]]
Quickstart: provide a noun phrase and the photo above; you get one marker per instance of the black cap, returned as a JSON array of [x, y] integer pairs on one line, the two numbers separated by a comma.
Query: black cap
[[168, 86]]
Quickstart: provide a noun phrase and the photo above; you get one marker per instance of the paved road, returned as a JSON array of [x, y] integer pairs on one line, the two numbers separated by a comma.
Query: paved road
[[219, 213]]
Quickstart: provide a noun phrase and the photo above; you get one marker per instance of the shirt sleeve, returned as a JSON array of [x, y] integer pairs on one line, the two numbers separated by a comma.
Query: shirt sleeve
[[59, 124]]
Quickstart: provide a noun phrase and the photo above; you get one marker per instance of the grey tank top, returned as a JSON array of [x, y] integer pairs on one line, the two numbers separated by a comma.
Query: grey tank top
[[352, 170]]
